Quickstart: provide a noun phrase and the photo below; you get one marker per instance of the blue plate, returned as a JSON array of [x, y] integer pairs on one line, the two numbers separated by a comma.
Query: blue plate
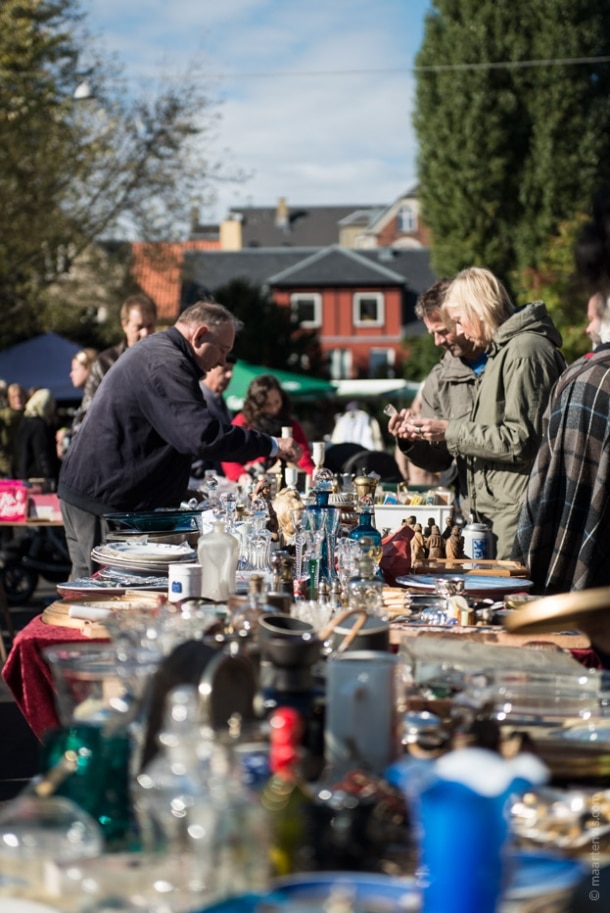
[[473, 583], [533, 875], [542, 873], [162, 520]]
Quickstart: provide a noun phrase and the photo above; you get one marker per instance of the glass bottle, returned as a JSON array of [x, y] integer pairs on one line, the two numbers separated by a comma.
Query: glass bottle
[[218, 554], [259, 539], [365, 529], [324, 516], [169, 790], [195, 808], [286, 797], [365, 590], [244, 619]]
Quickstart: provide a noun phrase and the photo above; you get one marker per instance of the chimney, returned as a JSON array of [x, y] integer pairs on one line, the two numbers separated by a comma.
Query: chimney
[[194, 220], [281, 215]]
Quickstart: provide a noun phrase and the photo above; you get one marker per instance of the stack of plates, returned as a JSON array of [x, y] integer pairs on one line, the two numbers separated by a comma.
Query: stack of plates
[[145, 558]]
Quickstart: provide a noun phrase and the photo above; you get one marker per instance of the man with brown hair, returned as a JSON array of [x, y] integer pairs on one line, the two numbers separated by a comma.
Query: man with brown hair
[[138, 320], [448, 391]]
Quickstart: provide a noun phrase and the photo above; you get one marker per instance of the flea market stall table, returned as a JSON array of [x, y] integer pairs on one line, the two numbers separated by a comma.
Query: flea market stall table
[[32, 523]]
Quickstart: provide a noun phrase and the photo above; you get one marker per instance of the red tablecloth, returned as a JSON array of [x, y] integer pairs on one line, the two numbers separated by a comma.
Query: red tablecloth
[[28, 676]]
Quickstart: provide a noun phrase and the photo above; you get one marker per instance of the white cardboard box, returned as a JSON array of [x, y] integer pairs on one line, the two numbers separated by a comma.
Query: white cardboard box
[[390, 516]]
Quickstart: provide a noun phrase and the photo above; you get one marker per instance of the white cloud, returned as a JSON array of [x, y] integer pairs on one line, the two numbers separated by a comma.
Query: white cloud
[[333, 125]]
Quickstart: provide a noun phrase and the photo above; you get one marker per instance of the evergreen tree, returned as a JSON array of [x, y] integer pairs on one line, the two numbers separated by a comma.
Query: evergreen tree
[[513, 139], [562, 290]]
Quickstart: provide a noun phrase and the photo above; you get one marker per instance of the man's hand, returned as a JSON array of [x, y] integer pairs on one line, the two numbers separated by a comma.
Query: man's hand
[[289, 450], [398, 421], [410, 427]]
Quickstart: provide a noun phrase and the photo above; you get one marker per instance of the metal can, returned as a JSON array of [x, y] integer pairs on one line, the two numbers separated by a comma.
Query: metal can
[[477, 540]]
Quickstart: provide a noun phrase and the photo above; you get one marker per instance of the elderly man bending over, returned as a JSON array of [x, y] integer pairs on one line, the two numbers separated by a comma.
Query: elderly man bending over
[[147, 422]]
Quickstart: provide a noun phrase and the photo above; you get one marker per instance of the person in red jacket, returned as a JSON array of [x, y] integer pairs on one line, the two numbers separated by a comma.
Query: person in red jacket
[[267, 406]]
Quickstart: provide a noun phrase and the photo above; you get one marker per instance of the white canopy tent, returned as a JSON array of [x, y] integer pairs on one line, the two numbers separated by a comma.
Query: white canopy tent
[[393, 388]]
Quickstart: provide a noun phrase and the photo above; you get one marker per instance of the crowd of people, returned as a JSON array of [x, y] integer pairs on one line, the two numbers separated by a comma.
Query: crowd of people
[[33, 441], [27, 433], [520, 435]]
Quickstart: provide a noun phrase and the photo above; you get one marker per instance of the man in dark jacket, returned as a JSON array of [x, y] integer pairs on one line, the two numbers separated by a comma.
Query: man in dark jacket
[[147, 422], [213, 386]]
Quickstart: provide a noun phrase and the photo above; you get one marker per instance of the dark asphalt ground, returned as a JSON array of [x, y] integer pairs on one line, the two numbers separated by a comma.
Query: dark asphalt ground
[[18, 745]]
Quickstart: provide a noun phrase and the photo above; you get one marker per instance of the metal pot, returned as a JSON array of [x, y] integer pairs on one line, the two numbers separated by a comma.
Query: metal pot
[[354, 629]]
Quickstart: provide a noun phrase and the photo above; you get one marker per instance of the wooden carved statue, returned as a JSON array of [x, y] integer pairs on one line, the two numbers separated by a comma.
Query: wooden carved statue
[[454, 547]]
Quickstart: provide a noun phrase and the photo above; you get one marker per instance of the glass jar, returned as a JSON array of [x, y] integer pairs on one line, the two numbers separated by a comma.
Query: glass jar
[[365, 590]]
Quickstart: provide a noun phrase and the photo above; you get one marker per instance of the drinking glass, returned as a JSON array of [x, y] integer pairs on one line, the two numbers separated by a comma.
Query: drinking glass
[[347, 552]]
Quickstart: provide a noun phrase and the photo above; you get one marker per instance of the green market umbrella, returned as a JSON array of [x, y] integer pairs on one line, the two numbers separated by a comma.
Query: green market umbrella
[[297, 386]]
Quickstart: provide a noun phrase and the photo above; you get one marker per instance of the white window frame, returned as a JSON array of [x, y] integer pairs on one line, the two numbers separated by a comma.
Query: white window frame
[[341, 364], [357, 300], [387, 359], [407, 219], [316, 297]]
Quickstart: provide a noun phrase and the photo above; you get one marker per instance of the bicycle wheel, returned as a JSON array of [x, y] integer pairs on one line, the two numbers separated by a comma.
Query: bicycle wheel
[[19, 583]]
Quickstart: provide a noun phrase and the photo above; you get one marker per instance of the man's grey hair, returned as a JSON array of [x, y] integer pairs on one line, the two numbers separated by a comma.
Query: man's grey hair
[[209, 312]]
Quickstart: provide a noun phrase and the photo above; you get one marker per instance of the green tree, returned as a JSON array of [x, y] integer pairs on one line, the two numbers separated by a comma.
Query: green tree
[[420, 356], [271, 335], [73, 172], [554, 282], [511, 140]]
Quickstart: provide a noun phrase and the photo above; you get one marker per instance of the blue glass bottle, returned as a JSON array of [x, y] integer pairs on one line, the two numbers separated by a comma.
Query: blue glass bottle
[[324, 516], [367, 529]]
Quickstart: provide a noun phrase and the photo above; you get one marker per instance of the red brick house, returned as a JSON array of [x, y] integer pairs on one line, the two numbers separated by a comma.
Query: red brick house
[[351, 272], [361, 302]]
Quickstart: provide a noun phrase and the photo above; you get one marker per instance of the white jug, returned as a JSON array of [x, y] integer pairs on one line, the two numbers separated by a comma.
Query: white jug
[[218, 553]]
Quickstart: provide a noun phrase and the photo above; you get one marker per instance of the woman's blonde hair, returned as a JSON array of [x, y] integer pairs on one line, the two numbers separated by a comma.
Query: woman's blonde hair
[[478, 295], [85, 357], [41, 404]]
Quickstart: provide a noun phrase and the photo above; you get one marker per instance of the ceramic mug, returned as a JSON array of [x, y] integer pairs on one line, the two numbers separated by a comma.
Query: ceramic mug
[[185, 581], [361, 725]]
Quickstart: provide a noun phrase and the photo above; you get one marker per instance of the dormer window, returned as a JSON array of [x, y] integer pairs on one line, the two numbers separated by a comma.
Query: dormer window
[[407, 220]]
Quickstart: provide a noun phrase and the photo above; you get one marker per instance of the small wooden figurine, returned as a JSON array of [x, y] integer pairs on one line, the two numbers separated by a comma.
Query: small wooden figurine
[[454, 547]]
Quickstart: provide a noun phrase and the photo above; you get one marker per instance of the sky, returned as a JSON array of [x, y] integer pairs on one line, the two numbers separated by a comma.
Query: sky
[[314, 97]]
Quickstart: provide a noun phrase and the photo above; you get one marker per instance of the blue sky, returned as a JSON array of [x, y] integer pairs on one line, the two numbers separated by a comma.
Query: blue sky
[[329, 122]]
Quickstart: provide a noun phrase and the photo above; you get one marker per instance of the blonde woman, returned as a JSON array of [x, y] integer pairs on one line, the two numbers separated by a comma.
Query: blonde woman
[[497, 444], [80, 369], [36, 457]]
